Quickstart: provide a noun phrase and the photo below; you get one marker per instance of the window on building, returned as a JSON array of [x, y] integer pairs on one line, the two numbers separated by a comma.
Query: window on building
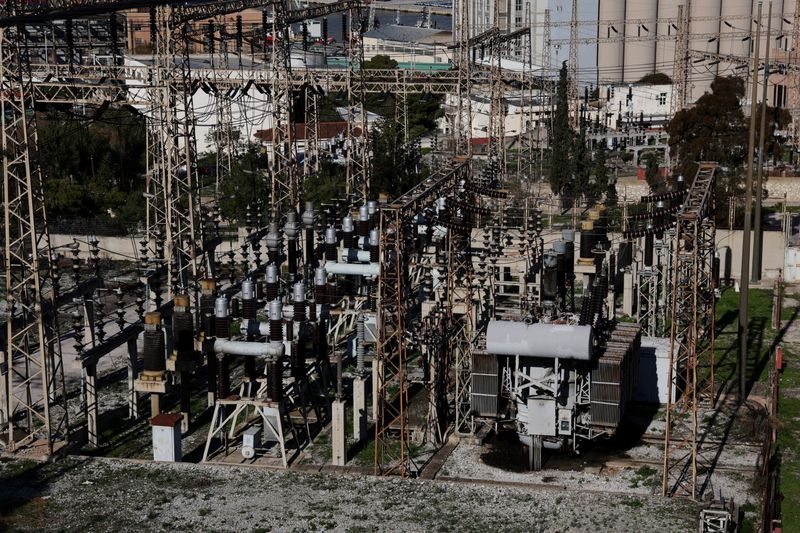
[[518, 20], [518, 5], [662, 99]]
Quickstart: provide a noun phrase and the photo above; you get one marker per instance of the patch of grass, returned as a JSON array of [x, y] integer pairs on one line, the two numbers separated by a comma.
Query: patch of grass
[[788, 437], [633, 503], [644, 476]]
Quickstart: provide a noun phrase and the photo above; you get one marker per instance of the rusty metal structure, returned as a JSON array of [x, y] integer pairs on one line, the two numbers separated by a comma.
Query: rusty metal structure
[[691, 337]]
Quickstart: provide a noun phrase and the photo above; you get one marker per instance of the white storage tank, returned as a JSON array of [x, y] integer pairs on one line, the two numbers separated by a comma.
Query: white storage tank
[[610, 55], [704, 24], [640, 54], [777, 25], [733, 23], [786, 29], [665, 47]]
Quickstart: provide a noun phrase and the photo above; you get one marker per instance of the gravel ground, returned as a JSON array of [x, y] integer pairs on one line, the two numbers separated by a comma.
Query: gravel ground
[[109, 495]]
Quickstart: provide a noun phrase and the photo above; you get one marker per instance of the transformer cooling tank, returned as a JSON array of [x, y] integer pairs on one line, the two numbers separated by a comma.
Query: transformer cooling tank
[[504, 337]]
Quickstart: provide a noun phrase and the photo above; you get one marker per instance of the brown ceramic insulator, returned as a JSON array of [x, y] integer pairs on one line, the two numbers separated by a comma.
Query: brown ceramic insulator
[[222, 327], [275, 330], [249, 309], [153, 351], [299, 311]]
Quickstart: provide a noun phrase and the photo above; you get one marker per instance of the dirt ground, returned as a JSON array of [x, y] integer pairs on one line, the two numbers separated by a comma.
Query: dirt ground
[[110, 495]]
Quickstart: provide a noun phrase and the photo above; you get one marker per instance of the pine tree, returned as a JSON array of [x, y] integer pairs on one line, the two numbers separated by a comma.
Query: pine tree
[[560, 167]]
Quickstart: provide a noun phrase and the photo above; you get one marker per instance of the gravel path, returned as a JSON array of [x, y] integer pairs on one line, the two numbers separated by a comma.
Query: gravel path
[[110, 495]]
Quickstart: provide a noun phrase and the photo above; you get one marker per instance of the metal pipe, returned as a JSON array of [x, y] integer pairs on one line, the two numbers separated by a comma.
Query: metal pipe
[[249, 349], [354, 255], [353, 269]]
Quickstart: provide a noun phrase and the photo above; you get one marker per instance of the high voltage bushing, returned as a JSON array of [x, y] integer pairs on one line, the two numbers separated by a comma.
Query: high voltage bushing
[[222, 319], [363, 223], [274, 242], [299, 301], [275, 321], [320, 286], [587, 240], [272, 282], [348, 232], [291, 229], [331, 243], [568, 235], [374, 245], [153, 346], [249, 302], [309, 219], [182, 327], [560, 248], [550, 276], [648, 247]]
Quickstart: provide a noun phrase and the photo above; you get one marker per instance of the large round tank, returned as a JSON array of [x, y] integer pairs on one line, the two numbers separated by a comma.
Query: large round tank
[[777, 25], [732, 13], [786, 29], [549, 341], [610, 54], [640, 54], [705, 25], [665, 47]]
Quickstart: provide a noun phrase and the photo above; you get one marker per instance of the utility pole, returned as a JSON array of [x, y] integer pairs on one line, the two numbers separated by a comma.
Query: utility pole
[[748, 205], [757, 240]]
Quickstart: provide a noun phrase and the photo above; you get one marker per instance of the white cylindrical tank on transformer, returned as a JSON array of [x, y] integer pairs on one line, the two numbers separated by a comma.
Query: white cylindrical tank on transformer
[[563, 341]]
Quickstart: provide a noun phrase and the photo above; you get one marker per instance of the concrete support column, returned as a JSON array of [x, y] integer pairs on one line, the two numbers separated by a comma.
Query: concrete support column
[[91, 405], [186, 399], [359, 409], [155, 404], [627, 293], [338, 433], [133, 395]]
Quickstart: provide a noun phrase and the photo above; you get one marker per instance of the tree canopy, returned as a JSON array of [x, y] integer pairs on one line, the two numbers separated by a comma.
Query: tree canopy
[[716, 129], [380, 61], [93, 166], [655, 78]]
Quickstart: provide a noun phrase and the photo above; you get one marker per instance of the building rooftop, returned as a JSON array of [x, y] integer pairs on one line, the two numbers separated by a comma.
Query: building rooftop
[[409, 34]]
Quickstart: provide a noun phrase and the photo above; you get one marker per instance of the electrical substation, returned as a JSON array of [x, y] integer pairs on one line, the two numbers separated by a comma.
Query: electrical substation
[[454, 331]]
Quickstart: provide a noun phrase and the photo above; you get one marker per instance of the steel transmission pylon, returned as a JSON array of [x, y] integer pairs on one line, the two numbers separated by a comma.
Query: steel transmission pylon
[[691, 338], [34, 400]]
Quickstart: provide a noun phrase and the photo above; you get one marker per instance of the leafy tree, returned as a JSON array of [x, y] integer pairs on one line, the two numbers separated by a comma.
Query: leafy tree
[[603, 184], [93, 167], [651, 171], [247, 185], [655, 78], [560, 167], [327, 184], [380, 61], [395, 168], [777, 119], [714, 129]]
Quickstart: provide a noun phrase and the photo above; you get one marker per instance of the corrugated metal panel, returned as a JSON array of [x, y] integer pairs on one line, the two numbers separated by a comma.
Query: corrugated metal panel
[[613, 378], [485, 384]]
